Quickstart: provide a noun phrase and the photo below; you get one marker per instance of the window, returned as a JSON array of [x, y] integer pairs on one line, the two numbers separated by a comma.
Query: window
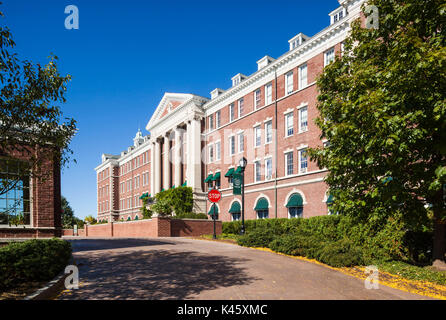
[[289, 163], [217, 183], [257, 98], [211, 122], [232, 145], [295, 212], [257, 136], [269, 131], [268, 93], [289, 83], [303, 161], [241, 142], [289, 124], [268, 168], [329, 57], [218, 119], [257, 169], [217, 150], [303, 80], [15, 197], [236, 216], [211, 154], [231, 112], [303, 119], [262, 214], [240, 107]]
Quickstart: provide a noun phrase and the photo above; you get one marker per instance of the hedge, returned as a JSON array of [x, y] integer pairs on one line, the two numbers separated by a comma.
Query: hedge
[[190, 215], [335, 240], [32, 260]]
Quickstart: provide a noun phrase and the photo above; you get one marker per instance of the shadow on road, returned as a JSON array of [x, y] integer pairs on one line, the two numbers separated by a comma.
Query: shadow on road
[[155, 275], [79, 245]]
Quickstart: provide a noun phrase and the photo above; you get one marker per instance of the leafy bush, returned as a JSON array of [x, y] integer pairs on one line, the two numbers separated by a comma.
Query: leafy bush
[[32, 260], [257, 238], [178, 200], [341, 253], [190, 215], [297, 245]]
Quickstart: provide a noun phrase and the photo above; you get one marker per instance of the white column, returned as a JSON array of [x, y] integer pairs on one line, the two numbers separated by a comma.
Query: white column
[[166, 163], [152, 169], [195, 155], [177, 157], [157, 172], [188, 154]]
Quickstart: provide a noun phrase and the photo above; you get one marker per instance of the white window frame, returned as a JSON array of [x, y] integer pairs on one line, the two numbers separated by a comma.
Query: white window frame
[[257, 103], [303, 76], [270, 123], [303, 128], [289, 82], [211, 122], [211, 153], [329, 56], [268, 177], [241, 142], [268, 93], [287, 154], [257, 166], [218, 119], [232, 145], [231, 112], [257, 134], [300, 161], [288, 124], [241, 106], [218, 154]]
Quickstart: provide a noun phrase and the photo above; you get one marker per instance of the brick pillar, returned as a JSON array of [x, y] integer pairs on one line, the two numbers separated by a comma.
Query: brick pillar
[[163, 226]]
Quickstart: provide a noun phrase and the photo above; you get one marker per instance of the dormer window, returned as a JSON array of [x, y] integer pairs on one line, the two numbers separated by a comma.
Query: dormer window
[[297, 40], [337, 15], [237, 79]]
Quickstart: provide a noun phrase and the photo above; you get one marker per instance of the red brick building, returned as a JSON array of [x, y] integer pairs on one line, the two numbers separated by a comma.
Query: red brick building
[[267, 117], [30, 206]]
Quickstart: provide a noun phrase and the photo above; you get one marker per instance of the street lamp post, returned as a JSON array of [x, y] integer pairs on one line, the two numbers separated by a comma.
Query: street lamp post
[[243, 162]]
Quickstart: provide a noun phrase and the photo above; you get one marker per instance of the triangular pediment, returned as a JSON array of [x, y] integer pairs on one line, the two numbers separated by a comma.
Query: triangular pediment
[[173, 103]]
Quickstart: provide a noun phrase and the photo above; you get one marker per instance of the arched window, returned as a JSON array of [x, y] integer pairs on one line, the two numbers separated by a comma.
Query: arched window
[[235, 211], [262, 208], [295, 206]]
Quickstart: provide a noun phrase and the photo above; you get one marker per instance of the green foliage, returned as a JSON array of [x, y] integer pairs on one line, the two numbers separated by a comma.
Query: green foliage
[[90, 219], [68, 218], [190, 215], [341, 253], [325, 237], [146, 213], [412, 272], [32, 260], [178, 200], [382, 108], [30, 117]]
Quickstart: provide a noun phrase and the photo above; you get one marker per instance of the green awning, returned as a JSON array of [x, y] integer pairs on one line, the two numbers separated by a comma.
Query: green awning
[[229, 173], [239, 170], [172, 187], [330, 199], [295, 201], [216, 176], [262, 204], [128, 219], [211, 210], [144, 195], [235, 207], [184, 184], [162, 189], [209, 178], [136, 218]]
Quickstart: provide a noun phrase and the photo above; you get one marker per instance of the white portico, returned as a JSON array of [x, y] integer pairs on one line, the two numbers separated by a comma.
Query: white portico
[[175, 129]]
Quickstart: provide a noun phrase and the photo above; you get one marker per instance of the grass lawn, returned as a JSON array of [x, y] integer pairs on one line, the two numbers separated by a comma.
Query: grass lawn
[[412, 272]]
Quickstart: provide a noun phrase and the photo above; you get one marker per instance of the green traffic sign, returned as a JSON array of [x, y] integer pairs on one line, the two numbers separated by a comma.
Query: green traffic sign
[[236, 184]]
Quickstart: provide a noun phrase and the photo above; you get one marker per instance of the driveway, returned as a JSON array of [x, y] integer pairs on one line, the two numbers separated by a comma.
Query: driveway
[[180, 268]]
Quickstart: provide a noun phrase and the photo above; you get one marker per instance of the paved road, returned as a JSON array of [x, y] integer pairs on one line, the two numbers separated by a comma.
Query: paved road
[[179, 268]]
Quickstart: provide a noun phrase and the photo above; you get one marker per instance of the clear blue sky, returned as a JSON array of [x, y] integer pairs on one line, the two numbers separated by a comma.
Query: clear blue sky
[[126, 54]]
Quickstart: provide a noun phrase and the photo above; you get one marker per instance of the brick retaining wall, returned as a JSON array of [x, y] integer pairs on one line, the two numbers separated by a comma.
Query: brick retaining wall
[[155, 227]]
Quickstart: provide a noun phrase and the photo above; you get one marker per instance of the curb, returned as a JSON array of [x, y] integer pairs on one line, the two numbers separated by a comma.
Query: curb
[[52, 288]]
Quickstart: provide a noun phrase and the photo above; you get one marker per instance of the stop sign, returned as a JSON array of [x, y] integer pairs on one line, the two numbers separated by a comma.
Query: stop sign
[[214, 195]]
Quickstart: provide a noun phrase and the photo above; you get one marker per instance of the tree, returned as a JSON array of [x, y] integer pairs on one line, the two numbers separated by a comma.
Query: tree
[[30, 120], [382, 109], [90, 220], [68, 219]]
